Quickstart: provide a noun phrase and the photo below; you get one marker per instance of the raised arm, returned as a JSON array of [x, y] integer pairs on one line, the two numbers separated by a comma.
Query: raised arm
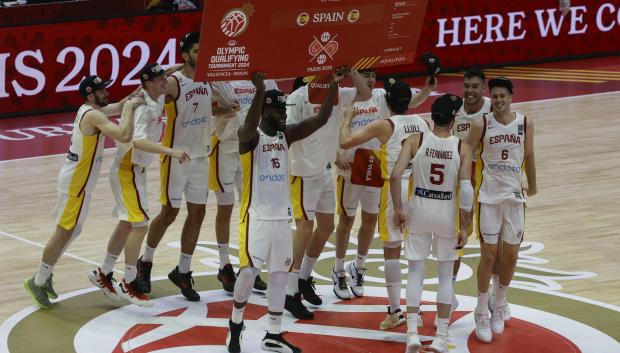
[[247, 132], [305, 128], [121, 133], [475, 135], [530, 162], [114, 109], [410, 148], [421, 96], [363, 91], [466, 194]]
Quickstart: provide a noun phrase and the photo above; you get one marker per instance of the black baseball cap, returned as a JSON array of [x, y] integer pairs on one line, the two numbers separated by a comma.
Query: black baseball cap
[[398, 94], [501, 82], [187, 41], [91, 84], [275, 98], [150, 71], [445, 108]]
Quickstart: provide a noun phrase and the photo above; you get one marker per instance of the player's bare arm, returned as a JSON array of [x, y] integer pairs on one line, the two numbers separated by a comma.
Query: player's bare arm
[[421, 96], [381, 129], [305, 128], [364, 92], [248, 136], [96, 120], [530, 162], [410, 148], [172, 89], [114, 109], [155, 148], [466, 194], [475, 135]]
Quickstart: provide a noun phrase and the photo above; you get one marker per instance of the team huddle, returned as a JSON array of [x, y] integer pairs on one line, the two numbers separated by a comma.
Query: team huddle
[[423, 189]]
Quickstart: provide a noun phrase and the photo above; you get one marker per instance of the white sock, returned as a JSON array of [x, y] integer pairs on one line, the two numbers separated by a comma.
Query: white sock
[[483, 303], [412, 322], [442, 326], [130, 273], [292, 283], [500, 295], [44, 272], [108, 263], [237, 315], [339, 265], [360, 261], [184, 262], [275, 323], [495, 280], [393, 283], [307, 264], [147, 255], [222, 250]]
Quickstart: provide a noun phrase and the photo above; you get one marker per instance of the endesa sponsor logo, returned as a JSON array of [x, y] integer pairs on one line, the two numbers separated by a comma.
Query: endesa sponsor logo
[[506, 168], [273, 177], [195, 122], [361, 122]]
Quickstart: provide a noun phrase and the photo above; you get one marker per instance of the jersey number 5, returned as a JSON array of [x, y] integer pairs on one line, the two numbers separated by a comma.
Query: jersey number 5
[[437, 173]]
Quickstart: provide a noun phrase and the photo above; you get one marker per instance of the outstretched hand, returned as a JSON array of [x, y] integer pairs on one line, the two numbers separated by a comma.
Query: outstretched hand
[[341, 72], [258, 79]]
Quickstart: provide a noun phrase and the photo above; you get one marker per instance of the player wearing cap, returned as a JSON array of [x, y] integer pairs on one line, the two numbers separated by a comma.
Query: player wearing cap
[[350, 194], [389, 134], [265, 229], [128, 182], [312, 190], [224, 166], [505, 143], [188, 128], [78, 176], [439, 212]]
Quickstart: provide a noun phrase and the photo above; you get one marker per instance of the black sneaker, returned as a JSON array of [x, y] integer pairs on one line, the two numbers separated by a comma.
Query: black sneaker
[[185, 282], [144, 275], [277, 343], [294, 305], [233, 338], [259, 284], [307, 289], [227, 277]]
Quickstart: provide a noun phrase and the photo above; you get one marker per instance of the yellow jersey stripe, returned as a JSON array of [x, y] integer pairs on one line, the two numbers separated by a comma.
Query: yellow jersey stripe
[[214, 161], [81, 174], [131, 198]]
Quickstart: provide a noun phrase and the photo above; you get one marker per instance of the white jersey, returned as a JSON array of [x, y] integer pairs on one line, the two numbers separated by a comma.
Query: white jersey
[[225, 94], [463, 121], [310, 156], [365, 113], [188, 125], [404, 126], [81, 169], [266, 190], [502, 151], [147, 122], [433, 204]]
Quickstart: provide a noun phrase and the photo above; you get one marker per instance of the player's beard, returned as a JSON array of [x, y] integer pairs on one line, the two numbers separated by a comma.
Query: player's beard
[[192, 62], [102, 102]]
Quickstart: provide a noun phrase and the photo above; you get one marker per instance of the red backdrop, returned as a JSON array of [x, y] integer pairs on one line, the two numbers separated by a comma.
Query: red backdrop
[[41, 65]]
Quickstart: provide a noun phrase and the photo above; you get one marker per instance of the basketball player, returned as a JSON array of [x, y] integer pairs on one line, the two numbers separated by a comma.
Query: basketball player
[[224, 167], [78, 176], [389, 135], [505, 143], [312, 190], [441, 172], [128, 181], [349, 195], [188, 127], [265, 230]]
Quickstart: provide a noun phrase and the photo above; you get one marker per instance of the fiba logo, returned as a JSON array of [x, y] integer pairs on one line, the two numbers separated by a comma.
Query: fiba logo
[[236, 21], [325, 37]]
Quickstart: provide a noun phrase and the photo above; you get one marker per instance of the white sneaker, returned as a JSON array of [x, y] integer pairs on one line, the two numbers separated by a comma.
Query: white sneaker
[[455, 305], [483, 328], [341, 289], [106, 283], [497, 319], [413, 343], [393, 320], [506, 316], [133, 295], [440, 344], [357, 278]]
